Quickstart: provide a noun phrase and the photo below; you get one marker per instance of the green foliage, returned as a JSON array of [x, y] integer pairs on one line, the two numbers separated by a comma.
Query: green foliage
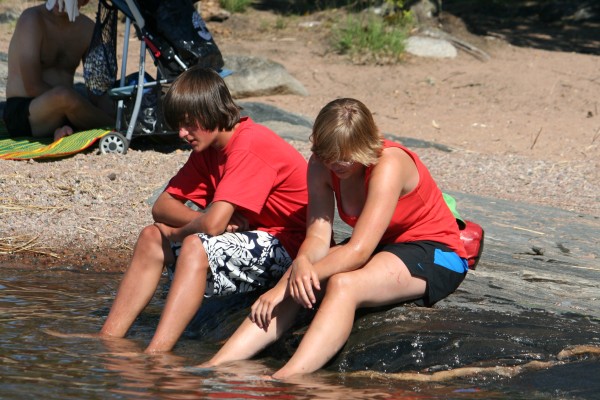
[[395, 13], [367, 37], [398, 4], [235, 6]]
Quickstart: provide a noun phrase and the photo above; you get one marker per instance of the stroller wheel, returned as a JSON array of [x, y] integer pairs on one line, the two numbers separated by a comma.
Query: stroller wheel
[[113, 142]]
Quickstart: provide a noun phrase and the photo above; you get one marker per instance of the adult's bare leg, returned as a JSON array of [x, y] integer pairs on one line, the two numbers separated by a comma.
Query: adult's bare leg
[[185, 295], [105, 103], [249, 339], [151, 253], [49, 111], [384, 280]]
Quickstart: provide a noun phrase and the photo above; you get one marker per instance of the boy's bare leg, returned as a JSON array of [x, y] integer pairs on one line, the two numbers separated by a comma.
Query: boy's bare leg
[[185, 295], [151, 253]]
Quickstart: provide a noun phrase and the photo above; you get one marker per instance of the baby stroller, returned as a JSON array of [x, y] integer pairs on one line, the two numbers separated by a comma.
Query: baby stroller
[[175, 36]]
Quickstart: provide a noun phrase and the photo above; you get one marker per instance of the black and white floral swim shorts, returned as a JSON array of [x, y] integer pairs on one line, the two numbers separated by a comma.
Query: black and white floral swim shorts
[[240, 262]]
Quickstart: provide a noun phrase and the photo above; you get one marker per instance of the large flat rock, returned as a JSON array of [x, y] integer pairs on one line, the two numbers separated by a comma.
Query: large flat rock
[[534, 257]]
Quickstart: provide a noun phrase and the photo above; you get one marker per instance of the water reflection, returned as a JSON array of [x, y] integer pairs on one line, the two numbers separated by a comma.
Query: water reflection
[[35, 364]]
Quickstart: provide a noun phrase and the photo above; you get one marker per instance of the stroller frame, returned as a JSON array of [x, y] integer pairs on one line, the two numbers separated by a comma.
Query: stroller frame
[[115, 141]]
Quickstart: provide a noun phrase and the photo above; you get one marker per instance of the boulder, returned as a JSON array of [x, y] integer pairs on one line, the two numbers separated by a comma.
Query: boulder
[[430, 47], [255, 76]]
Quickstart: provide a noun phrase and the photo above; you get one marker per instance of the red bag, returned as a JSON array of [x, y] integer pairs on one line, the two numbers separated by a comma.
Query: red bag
[[472, 237]]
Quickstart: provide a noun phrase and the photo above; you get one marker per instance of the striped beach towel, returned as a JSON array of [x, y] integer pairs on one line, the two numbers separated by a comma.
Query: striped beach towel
[[24, 148]]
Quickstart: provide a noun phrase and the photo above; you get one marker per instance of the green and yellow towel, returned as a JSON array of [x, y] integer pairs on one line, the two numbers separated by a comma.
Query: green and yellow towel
[[24, 148]]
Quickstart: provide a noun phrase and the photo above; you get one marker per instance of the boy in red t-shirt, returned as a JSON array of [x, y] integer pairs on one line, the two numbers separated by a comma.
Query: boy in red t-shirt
[[255, 185]]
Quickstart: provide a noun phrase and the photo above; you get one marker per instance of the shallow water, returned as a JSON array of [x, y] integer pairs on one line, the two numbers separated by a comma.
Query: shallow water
[[36, 364]]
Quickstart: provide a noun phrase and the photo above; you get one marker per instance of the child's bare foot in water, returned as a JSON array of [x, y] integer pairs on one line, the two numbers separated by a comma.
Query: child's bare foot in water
[[63, 131], [52, 332]]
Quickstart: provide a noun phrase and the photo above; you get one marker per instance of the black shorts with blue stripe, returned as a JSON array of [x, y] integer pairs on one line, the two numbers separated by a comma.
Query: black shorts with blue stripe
[[436, 263]]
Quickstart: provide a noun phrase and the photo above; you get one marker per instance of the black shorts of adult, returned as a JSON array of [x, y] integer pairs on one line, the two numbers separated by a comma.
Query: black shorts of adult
[[16, 116], [441, 268]]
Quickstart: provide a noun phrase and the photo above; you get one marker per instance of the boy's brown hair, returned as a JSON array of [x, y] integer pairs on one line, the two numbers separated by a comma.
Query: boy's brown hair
[[199, 97]]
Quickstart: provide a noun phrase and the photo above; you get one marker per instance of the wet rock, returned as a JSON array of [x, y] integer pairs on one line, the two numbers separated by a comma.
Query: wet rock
[[508, 312]]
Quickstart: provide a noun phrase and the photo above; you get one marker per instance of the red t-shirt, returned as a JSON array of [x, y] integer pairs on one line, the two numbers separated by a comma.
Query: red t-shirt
[[257, 171], [421, 214]]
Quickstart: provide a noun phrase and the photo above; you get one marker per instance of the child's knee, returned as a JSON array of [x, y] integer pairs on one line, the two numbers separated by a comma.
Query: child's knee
[[150, 233], [192, 250]]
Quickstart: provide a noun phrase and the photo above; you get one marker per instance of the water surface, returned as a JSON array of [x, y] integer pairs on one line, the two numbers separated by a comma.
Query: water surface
[[35, 364]]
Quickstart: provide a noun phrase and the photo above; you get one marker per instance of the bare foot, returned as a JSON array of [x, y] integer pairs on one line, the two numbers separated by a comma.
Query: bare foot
[[63, 131], [72, 335], [116, 345], [204, 365]]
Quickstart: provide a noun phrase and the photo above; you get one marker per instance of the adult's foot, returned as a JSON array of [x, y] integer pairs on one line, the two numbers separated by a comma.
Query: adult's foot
[[63, 131]]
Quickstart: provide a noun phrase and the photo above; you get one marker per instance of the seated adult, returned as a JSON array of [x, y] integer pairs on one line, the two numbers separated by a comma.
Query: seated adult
[[404, 246], [49, 42]]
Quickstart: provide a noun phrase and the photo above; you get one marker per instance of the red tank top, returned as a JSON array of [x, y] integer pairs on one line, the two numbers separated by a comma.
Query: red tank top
[[421, 214]]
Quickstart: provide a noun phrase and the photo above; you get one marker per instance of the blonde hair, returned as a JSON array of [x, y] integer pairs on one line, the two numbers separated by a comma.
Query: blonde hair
[[345, 131]]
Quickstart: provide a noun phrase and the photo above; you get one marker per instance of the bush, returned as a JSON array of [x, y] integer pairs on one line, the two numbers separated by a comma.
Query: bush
[[367, 37]]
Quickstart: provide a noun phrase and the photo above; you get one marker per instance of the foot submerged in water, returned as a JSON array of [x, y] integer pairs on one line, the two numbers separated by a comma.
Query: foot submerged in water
[[73, 335]]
